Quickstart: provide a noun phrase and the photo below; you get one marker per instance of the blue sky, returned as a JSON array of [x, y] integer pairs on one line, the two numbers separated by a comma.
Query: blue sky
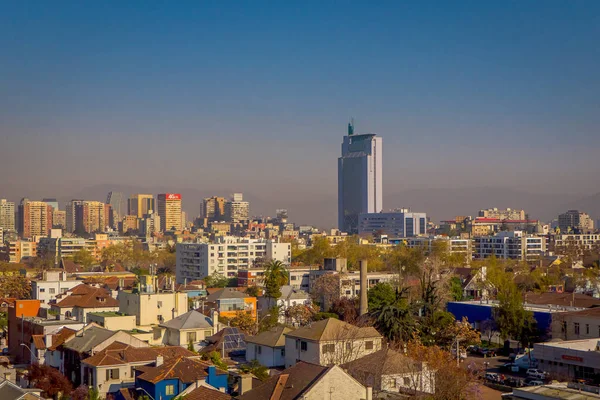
[[247, 96]]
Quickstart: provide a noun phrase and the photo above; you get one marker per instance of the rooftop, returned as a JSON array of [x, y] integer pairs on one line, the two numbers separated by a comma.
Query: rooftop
[[274, 337], [333, 329], [548, 308], [186, 370], [582, 345], [190, 320], [555, 391], [109, 314], [118, 353]]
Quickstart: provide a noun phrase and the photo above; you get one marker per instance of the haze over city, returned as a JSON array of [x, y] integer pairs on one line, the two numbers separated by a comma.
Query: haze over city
[[496, 102]]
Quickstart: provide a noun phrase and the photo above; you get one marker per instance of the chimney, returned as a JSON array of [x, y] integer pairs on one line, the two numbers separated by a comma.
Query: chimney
[[215, 320], [48, 340], [364, 304], [159, 360], [369, 393], [245, 383]]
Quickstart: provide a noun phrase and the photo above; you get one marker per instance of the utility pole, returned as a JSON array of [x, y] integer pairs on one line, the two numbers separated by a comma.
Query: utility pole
[[457, 352]]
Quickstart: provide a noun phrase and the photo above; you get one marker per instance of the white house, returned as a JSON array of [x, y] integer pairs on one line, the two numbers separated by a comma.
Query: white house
[[191, 327], [330, 341], [268, 347], [53, 283], [290, 296]]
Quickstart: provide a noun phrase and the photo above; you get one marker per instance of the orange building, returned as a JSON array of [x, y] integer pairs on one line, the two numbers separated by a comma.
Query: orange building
[[16, 333], [229, 302]]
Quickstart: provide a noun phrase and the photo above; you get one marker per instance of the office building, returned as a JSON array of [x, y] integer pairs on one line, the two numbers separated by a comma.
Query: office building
[[150, 224], [574, 221], [169, 211], [20, 250], [237, 209], [401, 223], [115, 199], [7, 215], [71, 215], [514, 245], [140, 204], [359, 178], [213, 208], [502, 214], [226, 256], [59, 219], [93, 216], [130, 223], [35, 218]]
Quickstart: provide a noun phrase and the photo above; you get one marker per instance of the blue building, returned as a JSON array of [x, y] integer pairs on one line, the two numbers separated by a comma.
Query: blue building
[[168, 380]]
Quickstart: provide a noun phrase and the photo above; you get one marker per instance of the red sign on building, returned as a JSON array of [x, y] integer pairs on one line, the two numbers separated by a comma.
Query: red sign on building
[[172, 196], [572, 358]]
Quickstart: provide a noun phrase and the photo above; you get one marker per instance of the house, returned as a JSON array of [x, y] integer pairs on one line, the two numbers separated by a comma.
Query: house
[[83, 299], [204, 393], [229, 301], [70, 267], [10, 391], [174, 376], [53, 283], [191, 327], [228, 342], [268, 347], [389, 371], [330, 341], [115, 366], [308, 382], [45, 347], [290, 296], [86, 342]]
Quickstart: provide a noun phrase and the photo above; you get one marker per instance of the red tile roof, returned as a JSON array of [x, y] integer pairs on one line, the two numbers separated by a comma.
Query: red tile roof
[[60, 337], [70, 266], [120, 353], [38, 341], [204, 393], [86, 296]]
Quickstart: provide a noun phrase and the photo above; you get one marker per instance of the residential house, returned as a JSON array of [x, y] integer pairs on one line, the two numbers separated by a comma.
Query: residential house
[[305, 381], [229, 301], [10, 391], [191, 327], [330, 341], [199, 392], [228, 342], [389, 371], [45, 347], [268, 347], [475, 283], [88, 341], [115, 366], [289, 297], [83, 299], [174, 376], [53, 283]]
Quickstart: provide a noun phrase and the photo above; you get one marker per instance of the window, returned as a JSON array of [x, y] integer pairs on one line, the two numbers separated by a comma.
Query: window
[[328, 348], [191, 337], [170, 390], [42, 290], [406, 381], [159, 318], [259, 349], [293, 277], [52, 290], [282, 352], [348, 346], [132, 372], [112, 374], [303, 346], [576, 328], [369, 345], [159, 304], [587, 329]]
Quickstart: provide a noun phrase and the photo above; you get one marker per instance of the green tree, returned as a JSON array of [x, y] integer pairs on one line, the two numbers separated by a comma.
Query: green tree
[[276, 275], [380, 295], [216, 280], [255, 368], [215, 358], [244, 321], [253, 291], [271, 320], [190, 346], [396, 322], [456, 290], [84, 258], [314, 255], [15, 285]]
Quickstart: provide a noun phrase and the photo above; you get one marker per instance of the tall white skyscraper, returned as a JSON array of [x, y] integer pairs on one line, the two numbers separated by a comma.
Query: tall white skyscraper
[[359, 178]]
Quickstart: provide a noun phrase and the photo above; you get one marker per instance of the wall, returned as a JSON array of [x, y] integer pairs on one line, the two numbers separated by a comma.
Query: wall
[[81, 314], [338, 385], [293, 352], [120, 322], [347, 350], [570, 319], [45, 291], [269, 356], [145, 306]]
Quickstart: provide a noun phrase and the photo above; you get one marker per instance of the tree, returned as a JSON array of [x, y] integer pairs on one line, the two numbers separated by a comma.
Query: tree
[[380, 295], [216, 280], [244, 321], [301, 314], [253, 291], [255, 368], [276, 275], [326, 289], [270, 320], [347, 309], [190, 346], [84, 392], [489, 329], [395, 322], [456, 290], [215, 358], [15, 285], [84, 258], [49, 380]]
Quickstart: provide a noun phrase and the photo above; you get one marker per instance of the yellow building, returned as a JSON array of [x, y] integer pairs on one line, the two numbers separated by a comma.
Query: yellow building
[[140, 204], [169, 211]]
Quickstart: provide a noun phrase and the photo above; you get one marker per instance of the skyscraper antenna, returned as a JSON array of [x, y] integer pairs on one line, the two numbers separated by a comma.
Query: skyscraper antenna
[[351, 127]]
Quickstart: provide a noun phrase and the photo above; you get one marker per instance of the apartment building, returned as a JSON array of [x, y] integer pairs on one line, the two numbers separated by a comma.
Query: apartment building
[[502, 214], [226, 256], [581, 241], [59, 219], [93, 216], [574, 221], [401, 223], [169, 211], [454, 245], [7, 215], [52, 284], [71, 214], [213, 208], [35, 218], [20, 250], [509, 245], [237, 209]]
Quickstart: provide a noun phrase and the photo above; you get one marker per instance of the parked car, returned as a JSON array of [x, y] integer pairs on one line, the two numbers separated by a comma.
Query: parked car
[[512, 367], [492, 377], [536, 383], [462, 353], [536, 374]]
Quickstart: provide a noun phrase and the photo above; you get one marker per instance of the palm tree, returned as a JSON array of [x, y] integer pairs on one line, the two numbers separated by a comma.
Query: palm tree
[[276, 275]]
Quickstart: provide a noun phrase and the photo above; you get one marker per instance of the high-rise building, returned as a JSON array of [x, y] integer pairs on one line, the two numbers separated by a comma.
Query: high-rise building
[[183, 220], [169, 211], [150, 224], [35, 218], [51, 202], [7, 214], [574, 221], [237, 209], [59, 219], [71, 215], [401, 223], [93, 216], [140, 204], [130, 223], [213, 208], [509, 214], [115, 199], [359, 178]]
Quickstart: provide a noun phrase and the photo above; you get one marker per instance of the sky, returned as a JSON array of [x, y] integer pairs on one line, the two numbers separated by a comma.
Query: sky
[[254, 97]]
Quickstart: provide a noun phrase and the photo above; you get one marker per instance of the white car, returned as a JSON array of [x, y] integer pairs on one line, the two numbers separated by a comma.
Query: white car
[[536, 374]]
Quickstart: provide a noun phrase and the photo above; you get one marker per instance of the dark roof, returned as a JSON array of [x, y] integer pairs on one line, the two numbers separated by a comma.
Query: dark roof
[[234, 341], [562, 299], [190, 320], [226, 293], [290, 384], [274, 337], [118, 353], [86, 296], [70, 266], [382, 362], [186, 370], [204, 393], [333, 329], [84, 341], [10, 391]]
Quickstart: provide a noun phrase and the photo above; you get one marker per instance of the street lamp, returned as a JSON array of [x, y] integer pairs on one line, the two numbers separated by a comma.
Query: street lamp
[[31, 351], [149, 395], [258, 321]]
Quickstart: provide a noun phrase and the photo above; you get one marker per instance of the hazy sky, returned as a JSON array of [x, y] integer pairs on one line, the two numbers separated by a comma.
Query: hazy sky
[[255, 97]]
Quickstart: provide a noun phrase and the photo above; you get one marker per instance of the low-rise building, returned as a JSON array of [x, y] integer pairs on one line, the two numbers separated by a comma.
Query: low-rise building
[[268, 347], [83, 299], [330, 341], [401, 223], [191, 327], [53, 283], [289, 297], [228, 302], [509, 245], [569, 360], [571, 391], [574, 325]]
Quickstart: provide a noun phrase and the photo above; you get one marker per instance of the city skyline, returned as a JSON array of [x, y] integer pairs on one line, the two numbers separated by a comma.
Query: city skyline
[[467, 96]]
